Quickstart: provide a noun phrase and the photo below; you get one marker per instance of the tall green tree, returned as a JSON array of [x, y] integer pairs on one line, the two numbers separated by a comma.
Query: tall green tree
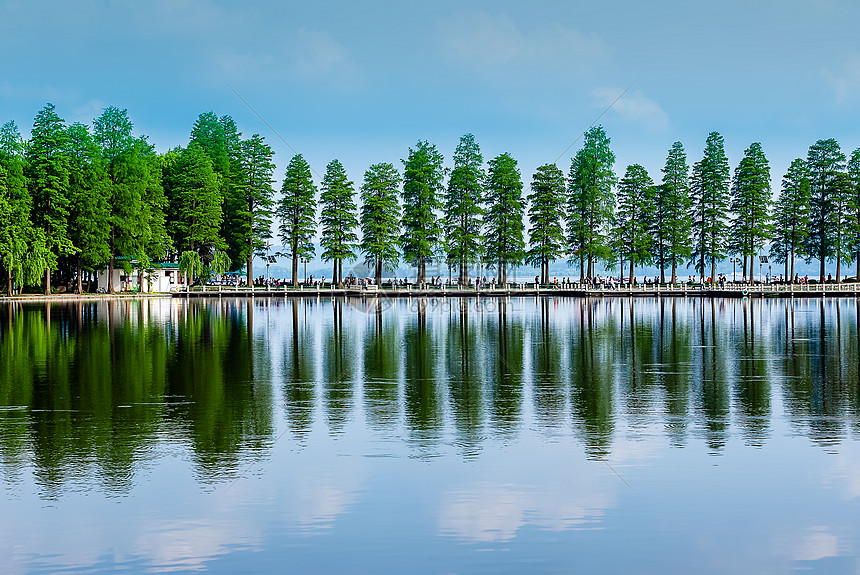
[[854, 208], [710, 202], [89, 215], [423, 176], [193, 190], [129, 177], [223, 143], [791, 217], [16, 231], [843, 190], [339, 218], [634, 216], [296, 212], [751, 227], [824, 161], [546, 216], [251, 218], [47, 171], [503, 222], [463, 209], [380, 217], [590, 200], [670, 226]]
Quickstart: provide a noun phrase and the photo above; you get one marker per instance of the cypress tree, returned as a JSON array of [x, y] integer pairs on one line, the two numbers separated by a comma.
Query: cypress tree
[[751, 227], [504, 215], [824, 162], [670, 226], [546, 213], [380, 217], [422, 189], [854, 208], [250, 215], [634, 216], [710, 202], [296, 212], [338, 218], [791, 217], [463, 210]]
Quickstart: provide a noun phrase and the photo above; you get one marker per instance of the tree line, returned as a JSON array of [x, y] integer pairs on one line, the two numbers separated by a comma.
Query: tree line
[[75, 199]]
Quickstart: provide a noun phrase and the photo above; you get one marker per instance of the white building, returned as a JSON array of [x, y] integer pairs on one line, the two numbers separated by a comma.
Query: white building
[[160, 278]]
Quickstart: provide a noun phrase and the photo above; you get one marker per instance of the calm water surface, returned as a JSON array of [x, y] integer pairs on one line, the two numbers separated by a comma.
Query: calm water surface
[[430, 436]]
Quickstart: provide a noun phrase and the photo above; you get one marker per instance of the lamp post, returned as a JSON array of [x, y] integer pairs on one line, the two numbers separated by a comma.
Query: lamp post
[[268, 261], [305, 261], [734, 262]]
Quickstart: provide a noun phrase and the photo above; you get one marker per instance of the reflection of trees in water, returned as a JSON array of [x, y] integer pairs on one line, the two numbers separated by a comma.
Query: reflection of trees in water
[[99, 383], [548, 388], [381, 370], [339, 369], [465, 344], [673, 368], [752, 382], [504, 344], [592, 364], [298, 369], [423, 400]]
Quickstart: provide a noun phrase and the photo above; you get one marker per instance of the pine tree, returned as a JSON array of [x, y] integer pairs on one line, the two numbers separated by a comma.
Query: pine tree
[[463, 209], [670, 226], [710, 202], [296, 212], [791, 217], [546, 214], [338, 219], [47, 172], [841, 198], [751, 227], [380, 217], [250, 218], [824, 161], [854, 208], [590, 200], [89, 190], [634, 216], [504, 215], [422, 189]]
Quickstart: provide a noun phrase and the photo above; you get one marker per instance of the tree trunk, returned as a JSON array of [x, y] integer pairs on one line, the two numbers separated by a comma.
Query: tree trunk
[[295, 264], [112, 261], [838, 266], [674, 268], [581, 269], [378, 271], [79, 287], [249, 272], [48, 281], [334, 272], [9, 282], [821, 268], [340, 273], [631, 271]]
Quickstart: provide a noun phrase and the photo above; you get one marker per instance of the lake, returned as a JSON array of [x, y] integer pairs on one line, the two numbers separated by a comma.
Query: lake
[[521, 435]]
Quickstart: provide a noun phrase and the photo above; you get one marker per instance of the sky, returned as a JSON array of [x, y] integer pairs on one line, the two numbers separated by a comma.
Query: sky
[[364, 81]]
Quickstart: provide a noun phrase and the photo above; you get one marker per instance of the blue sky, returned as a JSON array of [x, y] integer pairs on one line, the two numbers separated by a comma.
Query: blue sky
[[364, 81]]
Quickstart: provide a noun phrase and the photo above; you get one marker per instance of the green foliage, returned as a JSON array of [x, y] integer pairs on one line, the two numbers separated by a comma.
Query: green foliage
[[546, 214], [671, 222], [422, 188], [853, 220], [751, 227], [193, 190], [248, 220], [791, 216], [220, 262], [824, 161], [634, 216], [89, 216], [710, 202], [47, 170], [296, 212], [503, 222], [380, 217], [191, 264], [463, 210], [338, 217], [590, 200]]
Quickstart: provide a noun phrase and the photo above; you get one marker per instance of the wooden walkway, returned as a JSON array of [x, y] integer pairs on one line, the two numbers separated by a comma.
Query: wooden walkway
[[529, 290]]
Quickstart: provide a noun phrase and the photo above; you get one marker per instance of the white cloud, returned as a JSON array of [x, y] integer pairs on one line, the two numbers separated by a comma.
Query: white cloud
[[844, 83], [481, 40], [633, 106]]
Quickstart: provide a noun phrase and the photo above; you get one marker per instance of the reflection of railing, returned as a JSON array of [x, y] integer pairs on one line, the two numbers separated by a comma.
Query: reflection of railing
[[783, 289]]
